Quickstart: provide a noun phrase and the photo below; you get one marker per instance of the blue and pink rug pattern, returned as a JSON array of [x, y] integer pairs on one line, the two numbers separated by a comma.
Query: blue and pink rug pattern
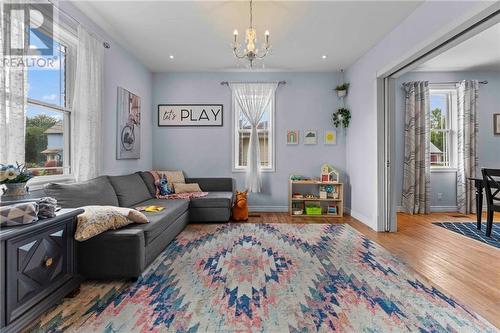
[[280, 278]]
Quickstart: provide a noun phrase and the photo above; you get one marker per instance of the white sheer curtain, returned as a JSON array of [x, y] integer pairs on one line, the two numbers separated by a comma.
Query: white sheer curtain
[[87, 107], [13, 94], [253, 99], [468, 95]]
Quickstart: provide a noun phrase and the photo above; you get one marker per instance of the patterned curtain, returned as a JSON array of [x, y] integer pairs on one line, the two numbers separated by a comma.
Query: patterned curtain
[[468, 93], [416, 172]]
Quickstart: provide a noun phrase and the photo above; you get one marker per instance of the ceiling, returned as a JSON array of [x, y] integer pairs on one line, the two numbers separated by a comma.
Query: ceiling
[[478, 53], [199, 33]]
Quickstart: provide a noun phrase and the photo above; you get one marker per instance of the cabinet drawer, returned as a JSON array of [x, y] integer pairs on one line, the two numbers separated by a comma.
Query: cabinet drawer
[[38, 263]]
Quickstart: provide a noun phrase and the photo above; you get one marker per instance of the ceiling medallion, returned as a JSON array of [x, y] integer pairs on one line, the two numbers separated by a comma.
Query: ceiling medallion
[[250, 52]]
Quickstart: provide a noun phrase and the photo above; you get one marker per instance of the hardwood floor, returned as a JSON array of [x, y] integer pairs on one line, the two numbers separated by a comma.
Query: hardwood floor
[[464, 268]]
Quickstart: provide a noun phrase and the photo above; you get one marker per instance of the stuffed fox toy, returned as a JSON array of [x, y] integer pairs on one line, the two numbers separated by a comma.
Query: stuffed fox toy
[[240, 208]]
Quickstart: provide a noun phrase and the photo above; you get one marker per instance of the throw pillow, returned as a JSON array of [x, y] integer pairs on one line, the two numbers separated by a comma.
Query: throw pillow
[[98, 219], [186, 188], [19, 214], [173, 177]]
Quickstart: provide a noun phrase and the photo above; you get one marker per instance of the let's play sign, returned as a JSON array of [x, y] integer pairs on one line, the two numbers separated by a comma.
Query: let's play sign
[[190, 115]]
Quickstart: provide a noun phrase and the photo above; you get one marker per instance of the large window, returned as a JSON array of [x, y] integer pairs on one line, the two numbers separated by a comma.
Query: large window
[[48, 114], [265, 131], [443, 124]]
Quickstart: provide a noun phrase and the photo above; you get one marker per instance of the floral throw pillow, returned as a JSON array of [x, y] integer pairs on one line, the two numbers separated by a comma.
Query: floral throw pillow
[[98, 219]]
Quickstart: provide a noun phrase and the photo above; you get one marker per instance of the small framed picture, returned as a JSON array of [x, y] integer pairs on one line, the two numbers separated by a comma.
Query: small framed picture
[[292, 137], [310, 137], [330, 137], [496, 123]]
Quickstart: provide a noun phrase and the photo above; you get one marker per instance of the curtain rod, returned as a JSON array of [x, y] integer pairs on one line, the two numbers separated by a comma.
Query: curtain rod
[[90, 31], [226, 83], [452, 82], [456, 82]]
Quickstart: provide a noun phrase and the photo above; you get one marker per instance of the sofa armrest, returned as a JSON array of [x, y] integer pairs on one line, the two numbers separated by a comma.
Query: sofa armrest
[[112, 254], [214, 184]]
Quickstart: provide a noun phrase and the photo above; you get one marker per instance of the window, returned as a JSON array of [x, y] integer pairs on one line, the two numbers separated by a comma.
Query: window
[[265, 131], [443, 124], [48, 113]]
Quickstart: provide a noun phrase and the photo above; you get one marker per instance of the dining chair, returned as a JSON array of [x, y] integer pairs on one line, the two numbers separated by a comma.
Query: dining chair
[[491, 180]]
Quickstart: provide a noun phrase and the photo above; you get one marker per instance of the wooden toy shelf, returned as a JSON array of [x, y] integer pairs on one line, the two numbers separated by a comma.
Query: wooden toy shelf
[[313, 187]]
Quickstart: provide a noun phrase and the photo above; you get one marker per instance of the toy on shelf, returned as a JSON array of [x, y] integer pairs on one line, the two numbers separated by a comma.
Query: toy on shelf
[[323, 194], [329, 174], [298, 177]]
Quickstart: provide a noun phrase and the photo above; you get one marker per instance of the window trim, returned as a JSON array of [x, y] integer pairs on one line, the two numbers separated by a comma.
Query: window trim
[[451, 92], [271, 138], [67, 37]]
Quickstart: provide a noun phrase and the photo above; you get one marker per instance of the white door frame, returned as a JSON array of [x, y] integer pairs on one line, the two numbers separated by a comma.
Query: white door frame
[[386, 108]]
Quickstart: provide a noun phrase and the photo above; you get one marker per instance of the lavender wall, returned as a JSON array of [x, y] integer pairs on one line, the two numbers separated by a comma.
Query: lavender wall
[[120, 69], [305, 102], [430, 21]]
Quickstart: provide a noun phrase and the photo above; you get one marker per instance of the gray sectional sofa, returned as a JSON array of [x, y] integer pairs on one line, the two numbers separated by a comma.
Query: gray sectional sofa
[[126, 252]]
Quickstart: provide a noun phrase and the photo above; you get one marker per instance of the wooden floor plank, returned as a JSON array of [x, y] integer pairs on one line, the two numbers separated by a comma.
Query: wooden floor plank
[[465, 268]]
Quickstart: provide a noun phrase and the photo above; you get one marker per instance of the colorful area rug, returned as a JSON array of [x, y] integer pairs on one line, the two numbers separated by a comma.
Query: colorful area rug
[[469, 229], [275, 278]]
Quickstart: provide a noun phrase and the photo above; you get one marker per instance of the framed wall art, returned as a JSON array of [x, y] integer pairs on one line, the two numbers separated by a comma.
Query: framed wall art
[[128, 125], [496, 123], [310, 137], [330, 137], [292, 137]]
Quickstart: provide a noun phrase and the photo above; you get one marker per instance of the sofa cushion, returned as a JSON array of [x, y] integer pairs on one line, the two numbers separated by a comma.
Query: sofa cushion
[[159, 221], [130, 189], [149, 180], [213, 200], [97, 191]]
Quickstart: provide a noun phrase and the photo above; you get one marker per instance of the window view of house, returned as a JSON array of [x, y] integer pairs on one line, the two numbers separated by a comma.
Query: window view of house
[[46, 117], [441, 148]]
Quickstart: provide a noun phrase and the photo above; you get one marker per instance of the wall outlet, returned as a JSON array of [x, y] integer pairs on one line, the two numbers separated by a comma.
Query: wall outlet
[[440, 196]]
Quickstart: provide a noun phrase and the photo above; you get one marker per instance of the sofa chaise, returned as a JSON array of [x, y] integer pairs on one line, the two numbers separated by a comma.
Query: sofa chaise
[[126, 252]]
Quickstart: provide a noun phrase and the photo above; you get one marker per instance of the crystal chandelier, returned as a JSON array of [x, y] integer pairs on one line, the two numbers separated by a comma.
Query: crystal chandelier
[[250, 52]]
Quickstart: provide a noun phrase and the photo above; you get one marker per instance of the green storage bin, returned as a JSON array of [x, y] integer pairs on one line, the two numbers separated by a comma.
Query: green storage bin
[[313, 210]]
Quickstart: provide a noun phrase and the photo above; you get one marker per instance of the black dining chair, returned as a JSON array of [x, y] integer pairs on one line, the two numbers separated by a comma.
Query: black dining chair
[[491, 180]]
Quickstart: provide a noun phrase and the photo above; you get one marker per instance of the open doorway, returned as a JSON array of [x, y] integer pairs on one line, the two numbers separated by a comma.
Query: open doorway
[[470, 59]]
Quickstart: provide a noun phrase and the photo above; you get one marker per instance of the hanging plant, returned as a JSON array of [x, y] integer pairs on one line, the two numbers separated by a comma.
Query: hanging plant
[[341, 89], [341, 118]]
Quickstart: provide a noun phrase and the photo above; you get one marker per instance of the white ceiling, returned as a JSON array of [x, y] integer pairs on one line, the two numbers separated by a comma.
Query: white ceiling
[[478, 53], [199, 33]]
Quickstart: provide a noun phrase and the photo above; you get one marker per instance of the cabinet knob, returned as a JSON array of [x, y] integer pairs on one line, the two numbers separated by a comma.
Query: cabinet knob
[[48, 262]]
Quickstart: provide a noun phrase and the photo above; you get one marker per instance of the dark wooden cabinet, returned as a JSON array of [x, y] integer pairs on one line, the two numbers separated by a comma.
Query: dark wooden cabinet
[[38, 268]]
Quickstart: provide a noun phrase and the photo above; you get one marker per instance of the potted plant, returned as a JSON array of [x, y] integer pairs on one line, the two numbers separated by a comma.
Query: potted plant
[[341, 89], [341, 118], [14, 178]]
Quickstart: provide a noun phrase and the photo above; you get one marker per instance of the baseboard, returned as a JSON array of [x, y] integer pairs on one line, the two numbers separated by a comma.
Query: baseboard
[[434, 209], [438, 209], [270, 209], [444, 209], [360, 217]]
